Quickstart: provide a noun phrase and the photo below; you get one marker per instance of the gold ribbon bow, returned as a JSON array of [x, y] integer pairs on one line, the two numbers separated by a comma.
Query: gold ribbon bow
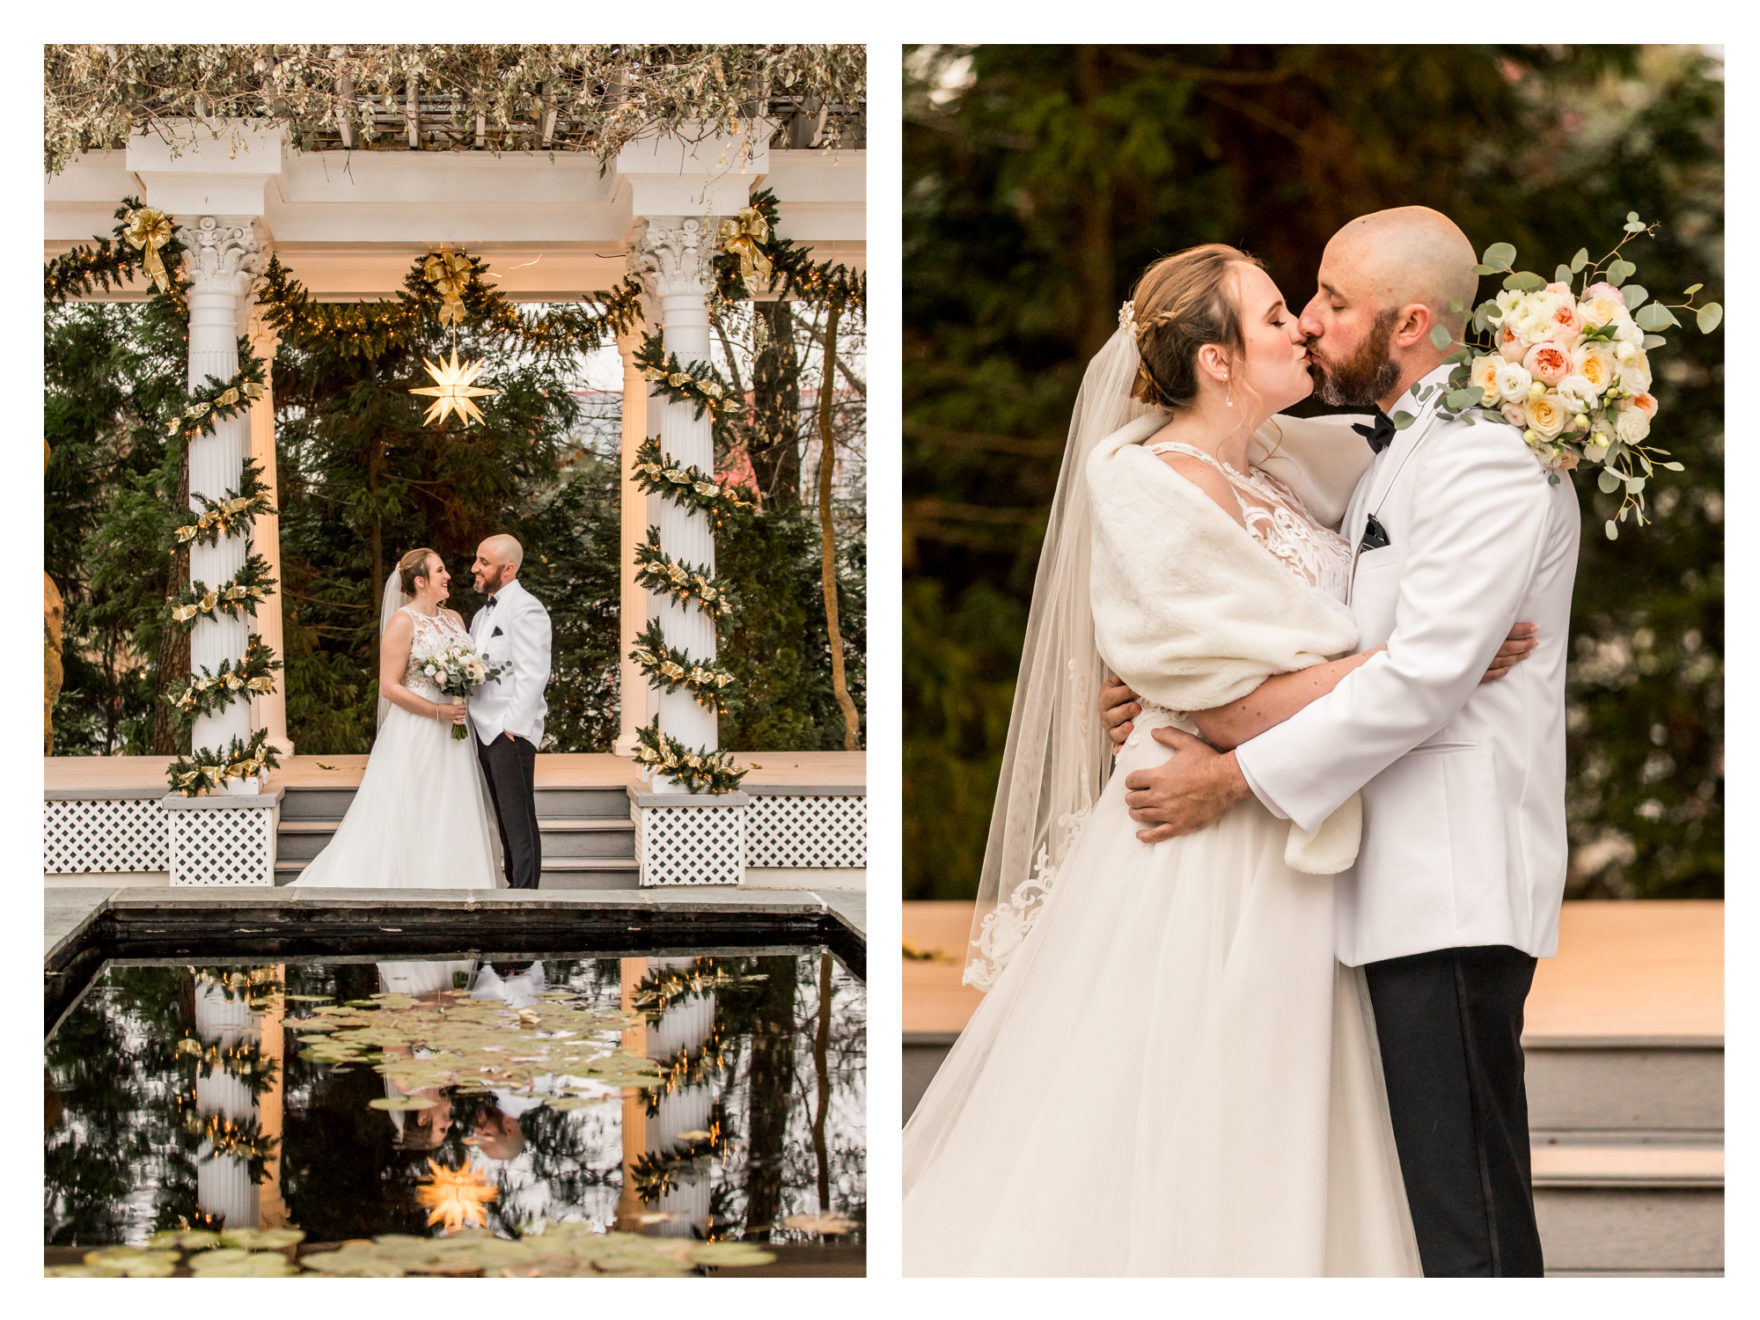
[[449, 272], [150, 230], [741, 237]]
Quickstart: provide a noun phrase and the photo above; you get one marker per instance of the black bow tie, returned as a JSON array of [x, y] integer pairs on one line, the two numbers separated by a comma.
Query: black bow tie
[[1381, 434], [489, 604]]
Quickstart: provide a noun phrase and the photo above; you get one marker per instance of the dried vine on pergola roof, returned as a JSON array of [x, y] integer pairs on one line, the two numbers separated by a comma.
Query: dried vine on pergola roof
[[593, 99]]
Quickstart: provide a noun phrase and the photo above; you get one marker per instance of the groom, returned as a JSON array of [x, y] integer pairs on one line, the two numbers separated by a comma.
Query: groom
[[1457, 885], [512, 627]]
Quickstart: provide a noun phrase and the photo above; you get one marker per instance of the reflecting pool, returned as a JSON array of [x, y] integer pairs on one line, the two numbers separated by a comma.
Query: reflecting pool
[[700, 1097]]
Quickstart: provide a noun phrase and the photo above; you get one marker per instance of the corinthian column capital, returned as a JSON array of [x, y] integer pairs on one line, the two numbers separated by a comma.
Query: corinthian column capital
[[221, 255], [671, 255]]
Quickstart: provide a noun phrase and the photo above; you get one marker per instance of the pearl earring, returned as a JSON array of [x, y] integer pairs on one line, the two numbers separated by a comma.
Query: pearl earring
[[1230, 399]]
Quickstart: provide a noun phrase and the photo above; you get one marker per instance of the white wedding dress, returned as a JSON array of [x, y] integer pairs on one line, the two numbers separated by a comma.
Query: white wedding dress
[[420, 818], [1172, 1074]]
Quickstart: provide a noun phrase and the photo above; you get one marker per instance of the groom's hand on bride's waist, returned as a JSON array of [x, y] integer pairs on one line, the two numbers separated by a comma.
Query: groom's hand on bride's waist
[[1191, 789]]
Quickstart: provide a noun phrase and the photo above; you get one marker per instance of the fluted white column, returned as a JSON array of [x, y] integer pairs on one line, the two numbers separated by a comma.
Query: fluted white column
[[223, 256], [673, 258], [224, 1188], [268, 709], [632, 614]]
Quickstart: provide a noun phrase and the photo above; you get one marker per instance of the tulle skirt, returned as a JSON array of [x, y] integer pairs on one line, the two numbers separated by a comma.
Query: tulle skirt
[[420, 819], [1172, 1076]]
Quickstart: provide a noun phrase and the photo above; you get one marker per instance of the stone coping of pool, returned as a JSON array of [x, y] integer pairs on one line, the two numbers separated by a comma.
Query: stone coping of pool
[[70, 915]]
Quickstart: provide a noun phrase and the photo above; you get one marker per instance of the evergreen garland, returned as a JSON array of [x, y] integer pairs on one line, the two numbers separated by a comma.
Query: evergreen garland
[[695, 384], [112, 262], [673, 669], [248, 588], [686, 583], [697, 770], [217, 400], [224, 517], [689, 487], [206, 768], [208, 692]]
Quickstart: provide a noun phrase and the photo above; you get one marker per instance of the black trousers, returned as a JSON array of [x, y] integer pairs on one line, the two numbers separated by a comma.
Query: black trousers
[[1450, 1024], [509, 765]]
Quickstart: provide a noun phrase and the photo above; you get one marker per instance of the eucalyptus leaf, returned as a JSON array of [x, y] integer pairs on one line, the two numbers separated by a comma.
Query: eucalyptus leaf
[[1634, 294], [1654, 317], [1691, 289], [1672, 466], [1562, 275], [1525, 281], [1612, 531], [1634, 485], [1440, 337], [1500, 256], [1654, 341], [1485, 270], [1580, 260], [1636, 226], [1459, 400], [1402, 419], [1620, 271], [1710, 317], [1608, 481]]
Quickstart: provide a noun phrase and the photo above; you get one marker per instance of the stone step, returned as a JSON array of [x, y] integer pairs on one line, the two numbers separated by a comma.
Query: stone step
[[1609, 1090], [1630, 1210], [302, 840], [555, 872], [609, 803]]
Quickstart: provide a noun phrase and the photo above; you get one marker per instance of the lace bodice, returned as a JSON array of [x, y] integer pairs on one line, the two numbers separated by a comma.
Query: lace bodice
[[431, 634], [1280, 522]]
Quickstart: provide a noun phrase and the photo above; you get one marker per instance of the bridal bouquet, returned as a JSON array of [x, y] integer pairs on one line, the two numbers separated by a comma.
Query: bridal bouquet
[[1570, 365], [456, 669]]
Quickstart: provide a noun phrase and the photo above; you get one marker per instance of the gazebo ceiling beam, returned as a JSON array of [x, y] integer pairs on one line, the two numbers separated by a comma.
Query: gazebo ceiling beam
[[350, 223]]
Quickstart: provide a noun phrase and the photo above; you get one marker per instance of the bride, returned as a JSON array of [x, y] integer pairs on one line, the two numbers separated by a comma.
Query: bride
[[420, 819], [1170, 1073]]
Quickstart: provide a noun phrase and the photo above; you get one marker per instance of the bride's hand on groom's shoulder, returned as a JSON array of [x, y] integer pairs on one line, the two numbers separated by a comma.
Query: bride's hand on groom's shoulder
[[1118, 707]]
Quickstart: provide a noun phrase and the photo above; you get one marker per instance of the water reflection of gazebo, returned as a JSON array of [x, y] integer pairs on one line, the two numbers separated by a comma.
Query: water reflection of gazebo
[[348, 224]]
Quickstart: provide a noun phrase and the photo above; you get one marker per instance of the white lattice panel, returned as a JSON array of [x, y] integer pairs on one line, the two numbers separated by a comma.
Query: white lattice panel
[[104, 835], [691, 845], [223, 846], [810, 830]]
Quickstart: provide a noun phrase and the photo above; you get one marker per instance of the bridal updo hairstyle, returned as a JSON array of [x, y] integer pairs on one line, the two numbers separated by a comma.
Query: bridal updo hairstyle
[[1181, 303], [411, 567]]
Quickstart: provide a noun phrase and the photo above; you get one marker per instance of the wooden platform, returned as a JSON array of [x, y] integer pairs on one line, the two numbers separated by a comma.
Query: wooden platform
[[554, 770], [1631, 970]]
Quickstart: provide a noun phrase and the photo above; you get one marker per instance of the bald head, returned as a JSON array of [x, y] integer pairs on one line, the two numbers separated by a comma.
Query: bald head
[[502, 549], [497, 563], [1411, 254]]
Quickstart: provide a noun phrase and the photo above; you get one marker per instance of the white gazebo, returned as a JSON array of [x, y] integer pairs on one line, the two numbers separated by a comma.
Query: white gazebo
[[552, 226]]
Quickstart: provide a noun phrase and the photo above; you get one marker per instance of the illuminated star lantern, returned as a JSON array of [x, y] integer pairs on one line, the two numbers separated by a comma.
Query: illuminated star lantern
[[455, 1198], [452, 389]]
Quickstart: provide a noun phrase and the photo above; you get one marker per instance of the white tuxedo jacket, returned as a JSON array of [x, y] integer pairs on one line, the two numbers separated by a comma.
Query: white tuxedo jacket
[[517, 629], [1462, 784]]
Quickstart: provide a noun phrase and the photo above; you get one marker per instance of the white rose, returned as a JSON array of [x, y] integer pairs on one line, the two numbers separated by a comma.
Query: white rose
[[1627, 332], [1624, 352], [1546, 415], [1515, 414], [1631, 425], [1578, 393], [1484, 377], [1513, 381], [1507, 301], [1634, 377]]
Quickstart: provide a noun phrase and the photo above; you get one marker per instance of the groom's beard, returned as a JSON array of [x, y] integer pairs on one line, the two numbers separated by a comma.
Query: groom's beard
[[1364, 378]]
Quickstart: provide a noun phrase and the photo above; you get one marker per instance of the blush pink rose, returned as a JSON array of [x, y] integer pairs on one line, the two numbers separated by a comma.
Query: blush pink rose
[[1567, 325], [1646, 404], [1509, 343], [1556, 287], [1548, 362]]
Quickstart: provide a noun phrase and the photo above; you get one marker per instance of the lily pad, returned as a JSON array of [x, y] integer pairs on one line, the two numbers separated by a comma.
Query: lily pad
[[262, 1239], [402, 1102], [134, 1262], [231, 1263]]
